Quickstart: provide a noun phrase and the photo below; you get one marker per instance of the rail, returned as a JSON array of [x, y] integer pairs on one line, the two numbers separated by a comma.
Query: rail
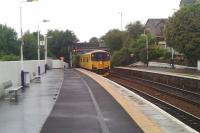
[[187, 118]]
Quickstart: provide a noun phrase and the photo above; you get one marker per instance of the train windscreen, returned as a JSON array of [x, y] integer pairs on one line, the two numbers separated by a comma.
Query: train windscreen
[[100, 56]]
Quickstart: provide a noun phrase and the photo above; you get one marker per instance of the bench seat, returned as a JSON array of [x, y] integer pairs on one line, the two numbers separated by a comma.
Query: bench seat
[[12, 90]]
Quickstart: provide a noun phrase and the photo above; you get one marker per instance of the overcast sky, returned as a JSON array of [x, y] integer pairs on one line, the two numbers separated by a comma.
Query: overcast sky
[[86, 18]]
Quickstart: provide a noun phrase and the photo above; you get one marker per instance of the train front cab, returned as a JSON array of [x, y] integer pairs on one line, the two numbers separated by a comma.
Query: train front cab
[[100, 63]]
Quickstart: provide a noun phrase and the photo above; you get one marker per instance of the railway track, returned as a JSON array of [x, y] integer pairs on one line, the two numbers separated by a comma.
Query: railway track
[[188, 96], [184, 116]]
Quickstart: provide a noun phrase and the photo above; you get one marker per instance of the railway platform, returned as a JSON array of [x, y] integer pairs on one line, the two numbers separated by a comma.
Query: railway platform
[[83, 106], [89, 103], [34, 104], [86, 103]]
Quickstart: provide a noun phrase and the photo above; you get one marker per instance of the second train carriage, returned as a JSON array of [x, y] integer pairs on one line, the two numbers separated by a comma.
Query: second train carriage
[[97, 61]]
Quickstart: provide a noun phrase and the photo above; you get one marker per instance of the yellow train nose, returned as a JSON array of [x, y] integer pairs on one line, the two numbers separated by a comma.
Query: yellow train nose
[[100, 65]]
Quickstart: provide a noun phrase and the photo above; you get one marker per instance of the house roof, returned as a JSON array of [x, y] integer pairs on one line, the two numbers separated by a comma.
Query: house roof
[[156, 26]]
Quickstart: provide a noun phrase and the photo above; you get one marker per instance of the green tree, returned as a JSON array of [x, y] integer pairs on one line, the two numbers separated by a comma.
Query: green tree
[[135, 29], [94, 40], [9, 45], [139, 50], [114, 39], [155, 52], [61, 42], [121, 57], [30, 46], [9, 57], [188, 2], [183, 32], [75, 60]]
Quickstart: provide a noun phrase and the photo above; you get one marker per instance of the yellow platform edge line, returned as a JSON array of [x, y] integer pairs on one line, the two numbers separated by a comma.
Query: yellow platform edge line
[[143, 121]]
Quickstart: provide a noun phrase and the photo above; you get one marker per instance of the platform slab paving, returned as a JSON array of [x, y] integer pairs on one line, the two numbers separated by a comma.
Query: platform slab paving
[[83, 106], [28, 114]]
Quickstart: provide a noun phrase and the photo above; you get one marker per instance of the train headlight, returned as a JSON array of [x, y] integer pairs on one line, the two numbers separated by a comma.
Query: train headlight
[[93, 67]]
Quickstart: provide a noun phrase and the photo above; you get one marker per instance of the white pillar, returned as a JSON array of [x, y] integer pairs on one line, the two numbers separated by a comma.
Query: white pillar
[[38, 50], [22, 40], [198, 65], [46, 39]]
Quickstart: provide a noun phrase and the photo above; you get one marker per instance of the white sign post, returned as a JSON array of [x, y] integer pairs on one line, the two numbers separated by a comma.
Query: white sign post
[[42, 43]]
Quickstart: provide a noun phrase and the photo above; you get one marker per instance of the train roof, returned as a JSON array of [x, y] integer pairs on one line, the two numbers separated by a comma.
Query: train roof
[[94, 51]]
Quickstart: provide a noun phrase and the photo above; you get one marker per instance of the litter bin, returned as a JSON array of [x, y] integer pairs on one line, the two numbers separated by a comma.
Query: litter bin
[[27, 80]]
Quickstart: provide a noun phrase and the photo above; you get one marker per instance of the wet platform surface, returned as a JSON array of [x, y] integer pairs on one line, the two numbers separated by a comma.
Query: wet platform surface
[[28, 114], [83, 106]]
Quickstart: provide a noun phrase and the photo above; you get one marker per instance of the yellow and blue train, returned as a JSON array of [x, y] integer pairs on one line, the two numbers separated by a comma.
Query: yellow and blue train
[[97, 61]]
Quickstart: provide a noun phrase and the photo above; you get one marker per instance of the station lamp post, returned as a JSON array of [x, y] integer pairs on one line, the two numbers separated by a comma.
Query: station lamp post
[[121, 14], [172, 58], [147, 45], [38, 64], [46, 51], [22, 42]]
